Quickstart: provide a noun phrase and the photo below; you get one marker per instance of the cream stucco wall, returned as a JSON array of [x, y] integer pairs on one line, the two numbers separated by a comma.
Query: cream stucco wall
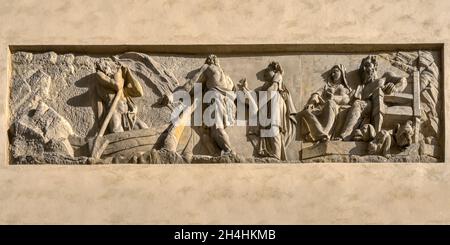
[[244, 194]]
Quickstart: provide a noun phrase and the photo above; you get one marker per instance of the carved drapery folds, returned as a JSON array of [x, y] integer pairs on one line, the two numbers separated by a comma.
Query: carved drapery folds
[[142, 108]]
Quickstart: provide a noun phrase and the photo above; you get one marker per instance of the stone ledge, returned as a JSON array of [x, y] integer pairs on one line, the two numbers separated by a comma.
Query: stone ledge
[[333, 148], [358, 148]]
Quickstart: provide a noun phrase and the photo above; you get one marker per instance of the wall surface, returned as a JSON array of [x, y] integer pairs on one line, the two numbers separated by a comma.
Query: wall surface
[[238, 193]]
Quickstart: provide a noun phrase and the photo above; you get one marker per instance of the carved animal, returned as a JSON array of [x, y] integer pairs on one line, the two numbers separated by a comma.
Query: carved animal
[[381, 144], [366, 133], [403, 134]]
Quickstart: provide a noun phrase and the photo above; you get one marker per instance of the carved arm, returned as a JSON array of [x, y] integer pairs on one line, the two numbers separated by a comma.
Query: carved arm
[[133, 87], [342, 97], [106, 81], [394, 84]]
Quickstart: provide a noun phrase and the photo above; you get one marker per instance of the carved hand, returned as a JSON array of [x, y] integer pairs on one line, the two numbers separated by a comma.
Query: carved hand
[[329, 95], [314, 100], [118, 77], [242, 84]]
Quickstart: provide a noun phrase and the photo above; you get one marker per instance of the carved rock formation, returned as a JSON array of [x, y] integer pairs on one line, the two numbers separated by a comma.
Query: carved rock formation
[[41, 136], [38, 133]]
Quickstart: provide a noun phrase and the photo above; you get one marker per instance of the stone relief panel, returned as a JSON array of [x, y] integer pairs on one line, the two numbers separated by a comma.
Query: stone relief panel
[[172, 108]]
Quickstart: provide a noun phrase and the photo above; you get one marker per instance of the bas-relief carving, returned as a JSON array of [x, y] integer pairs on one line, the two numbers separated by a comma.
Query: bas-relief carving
[[397, 125], [284, 119], [80, 109]]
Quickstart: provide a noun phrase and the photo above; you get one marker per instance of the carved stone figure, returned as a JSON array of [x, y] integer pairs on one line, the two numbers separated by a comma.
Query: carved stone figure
[[281, 117], [320, 113], [116, 109], [400, 136], [368, 105], [366, 133], [381, 144], [215, 82], [403, 134]]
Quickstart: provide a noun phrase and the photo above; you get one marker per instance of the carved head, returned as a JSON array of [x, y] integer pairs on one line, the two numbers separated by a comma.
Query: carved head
[[273, 68], [122, 106], [107, 66], [368, 69], [338, 75], [212, 59]]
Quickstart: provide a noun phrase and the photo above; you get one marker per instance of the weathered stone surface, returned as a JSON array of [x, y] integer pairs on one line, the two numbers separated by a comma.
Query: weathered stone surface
[[399, 98], [371, 159], [41, 130], [53, 158], [218, 159], [19, 94], [333, 148], [141, 97], [26, 95], [22, 58], [432, 150], [43, 58]]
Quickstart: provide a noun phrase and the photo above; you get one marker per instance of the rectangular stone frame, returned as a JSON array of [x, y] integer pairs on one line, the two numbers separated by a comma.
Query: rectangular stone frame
[[235, 49]]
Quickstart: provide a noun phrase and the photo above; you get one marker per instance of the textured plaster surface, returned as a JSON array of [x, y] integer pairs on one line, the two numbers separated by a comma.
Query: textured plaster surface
[[244, 194]]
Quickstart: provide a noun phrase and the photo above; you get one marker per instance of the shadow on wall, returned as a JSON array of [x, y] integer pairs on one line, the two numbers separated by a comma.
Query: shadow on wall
[[87, 99]]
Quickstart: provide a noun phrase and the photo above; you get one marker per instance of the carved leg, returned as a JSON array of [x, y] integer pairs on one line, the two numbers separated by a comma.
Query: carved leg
[[329, 113], [140, 124], [206, 138], [386, 145], [313, 124], [353, 119], [271, 146], [277, 146], [115, 124], [221, 138]]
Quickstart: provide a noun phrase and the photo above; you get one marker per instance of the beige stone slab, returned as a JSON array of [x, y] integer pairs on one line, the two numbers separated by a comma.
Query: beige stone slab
[[224, 194], [334, 148], [281, 194], [400, 98]]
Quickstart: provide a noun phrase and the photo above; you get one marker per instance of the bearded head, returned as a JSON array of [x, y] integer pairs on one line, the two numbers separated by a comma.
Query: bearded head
[[368, 69]]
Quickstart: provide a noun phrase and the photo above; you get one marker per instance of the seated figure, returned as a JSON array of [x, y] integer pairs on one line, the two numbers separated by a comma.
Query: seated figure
[[320, 113], [368, 100]]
